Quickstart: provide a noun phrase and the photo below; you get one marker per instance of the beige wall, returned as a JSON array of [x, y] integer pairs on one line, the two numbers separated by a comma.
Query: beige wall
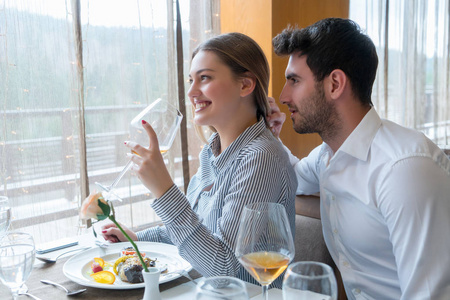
[[264, 19]]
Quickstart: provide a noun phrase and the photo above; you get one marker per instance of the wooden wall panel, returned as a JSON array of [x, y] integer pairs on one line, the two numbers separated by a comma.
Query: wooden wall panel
[[251, 17], [264, 19]]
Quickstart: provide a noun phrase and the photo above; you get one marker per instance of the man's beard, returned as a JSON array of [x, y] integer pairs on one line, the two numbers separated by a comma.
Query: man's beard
[[316, 116]]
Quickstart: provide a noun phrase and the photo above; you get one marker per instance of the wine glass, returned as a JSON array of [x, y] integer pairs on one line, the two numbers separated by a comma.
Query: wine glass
[[17, 254], [221, 287], [165, 121], [309, 280], [265, 244], [5, 215]]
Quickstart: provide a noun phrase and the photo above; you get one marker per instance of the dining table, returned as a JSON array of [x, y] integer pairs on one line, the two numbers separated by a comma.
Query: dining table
[[181, 288]]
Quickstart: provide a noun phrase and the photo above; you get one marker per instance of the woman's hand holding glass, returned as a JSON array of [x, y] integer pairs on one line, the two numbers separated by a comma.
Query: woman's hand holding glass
[[165, 121], [149, 163]]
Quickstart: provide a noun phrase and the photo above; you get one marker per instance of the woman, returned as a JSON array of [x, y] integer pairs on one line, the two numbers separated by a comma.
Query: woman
[[242, 163]]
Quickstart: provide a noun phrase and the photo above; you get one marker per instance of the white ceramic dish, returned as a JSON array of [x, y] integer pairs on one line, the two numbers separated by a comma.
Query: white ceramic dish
[[78, 267]]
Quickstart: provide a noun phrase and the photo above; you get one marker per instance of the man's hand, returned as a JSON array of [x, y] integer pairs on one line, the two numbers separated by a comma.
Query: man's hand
[[275, 118]]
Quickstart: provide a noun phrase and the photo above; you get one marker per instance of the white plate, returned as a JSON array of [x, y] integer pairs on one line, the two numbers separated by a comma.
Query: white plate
[[78, 267]]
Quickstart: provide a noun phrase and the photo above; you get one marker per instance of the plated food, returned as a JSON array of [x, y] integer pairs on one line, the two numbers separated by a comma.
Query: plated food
[[127, 267], [78, 268]]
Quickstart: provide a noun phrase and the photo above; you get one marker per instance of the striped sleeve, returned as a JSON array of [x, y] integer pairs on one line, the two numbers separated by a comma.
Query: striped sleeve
[[258, 176], [154, 234]]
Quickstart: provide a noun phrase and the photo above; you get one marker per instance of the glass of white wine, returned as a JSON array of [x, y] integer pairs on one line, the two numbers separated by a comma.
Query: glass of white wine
[[17, 253], [309, 280], [265, 245], [5, 215], [165, 120]]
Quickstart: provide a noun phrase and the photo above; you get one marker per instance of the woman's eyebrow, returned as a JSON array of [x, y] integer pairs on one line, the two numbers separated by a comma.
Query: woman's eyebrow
[[202, 70]]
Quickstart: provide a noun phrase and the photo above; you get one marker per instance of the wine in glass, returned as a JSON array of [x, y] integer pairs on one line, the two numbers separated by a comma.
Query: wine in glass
[[309, 280], [221, 287], [265, 244], [5, 215], [165, 121], [17, 252]]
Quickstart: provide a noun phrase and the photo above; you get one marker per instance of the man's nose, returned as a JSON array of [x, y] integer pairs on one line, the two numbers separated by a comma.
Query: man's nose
[[284, 95]]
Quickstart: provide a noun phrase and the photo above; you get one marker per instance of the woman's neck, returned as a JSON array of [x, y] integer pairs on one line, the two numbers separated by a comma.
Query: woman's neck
[[230, 132]]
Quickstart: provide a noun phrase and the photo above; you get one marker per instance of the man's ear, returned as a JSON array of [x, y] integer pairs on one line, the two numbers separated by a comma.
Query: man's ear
[[337, 82], [248, 84]]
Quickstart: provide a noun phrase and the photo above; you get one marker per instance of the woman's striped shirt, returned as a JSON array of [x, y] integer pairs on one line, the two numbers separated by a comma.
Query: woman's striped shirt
[[204, 223]]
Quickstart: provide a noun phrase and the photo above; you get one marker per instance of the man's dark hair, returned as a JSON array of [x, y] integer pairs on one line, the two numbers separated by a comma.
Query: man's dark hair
[[331, 44]]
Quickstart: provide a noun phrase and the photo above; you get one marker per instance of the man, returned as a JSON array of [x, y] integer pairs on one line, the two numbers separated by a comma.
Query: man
[[384, 189]]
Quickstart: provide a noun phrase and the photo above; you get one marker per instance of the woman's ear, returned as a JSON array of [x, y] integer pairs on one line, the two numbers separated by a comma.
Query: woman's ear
[[337, 82], [248, 84]]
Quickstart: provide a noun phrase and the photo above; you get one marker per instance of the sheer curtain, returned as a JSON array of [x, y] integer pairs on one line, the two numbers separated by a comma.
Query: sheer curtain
[[413, 81], [72, 75]]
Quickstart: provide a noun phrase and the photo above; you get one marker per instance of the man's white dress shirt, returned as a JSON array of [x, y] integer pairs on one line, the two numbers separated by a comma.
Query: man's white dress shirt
[[385, 209]]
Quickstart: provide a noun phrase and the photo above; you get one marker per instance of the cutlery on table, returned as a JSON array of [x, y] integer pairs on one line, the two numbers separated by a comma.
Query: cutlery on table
[[68, 293], [25, 292], [51, 260]]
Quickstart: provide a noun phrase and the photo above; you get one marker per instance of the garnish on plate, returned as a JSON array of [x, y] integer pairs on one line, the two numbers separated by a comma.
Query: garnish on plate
[[104, 277], [98, 264]]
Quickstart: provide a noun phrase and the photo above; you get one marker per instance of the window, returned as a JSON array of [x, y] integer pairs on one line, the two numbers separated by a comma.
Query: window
[[66, 106], [412, 86]]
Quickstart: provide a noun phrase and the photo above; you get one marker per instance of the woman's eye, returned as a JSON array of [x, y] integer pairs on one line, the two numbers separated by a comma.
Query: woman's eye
[[204, 77]]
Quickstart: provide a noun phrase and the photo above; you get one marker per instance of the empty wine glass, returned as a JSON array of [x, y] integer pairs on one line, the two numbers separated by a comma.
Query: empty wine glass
[[309, 280], [265, 245], [17, 254], [5, 215], [165, 121], [221, 287]]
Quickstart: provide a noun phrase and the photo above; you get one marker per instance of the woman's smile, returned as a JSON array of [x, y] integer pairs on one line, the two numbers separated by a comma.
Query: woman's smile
[[200, 105]]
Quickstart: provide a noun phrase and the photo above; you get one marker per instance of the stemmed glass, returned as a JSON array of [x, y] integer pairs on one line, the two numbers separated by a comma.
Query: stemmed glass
[[17, 254], [165, 120], [265, 244], [221, 287], [309, 280], [5, 215]]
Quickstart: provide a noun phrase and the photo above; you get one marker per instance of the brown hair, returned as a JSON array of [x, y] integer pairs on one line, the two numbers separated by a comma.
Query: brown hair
[[242, 54], [331, 44]]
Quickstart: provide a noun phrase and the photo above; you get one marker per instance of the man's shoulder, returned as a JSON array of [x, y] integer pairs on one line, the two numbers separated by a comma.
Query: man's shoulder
[[399, 142]]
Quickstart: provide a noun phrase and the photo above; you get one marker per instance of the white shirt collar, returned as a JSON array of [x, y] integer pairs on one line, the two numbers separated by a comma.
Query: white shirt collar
[[358, 143]]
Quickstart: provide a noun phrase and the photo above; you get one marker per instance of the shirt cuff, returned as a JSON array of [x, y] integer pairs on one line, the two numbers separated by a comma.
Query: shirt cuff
[[170, 205], [148, 235]]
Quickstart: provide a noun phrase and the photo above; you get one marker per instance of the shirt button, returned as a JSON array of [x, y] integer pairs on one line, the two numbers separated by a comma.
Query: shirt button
[[357, 291], [335, 231], [345, 264], [333, 197]]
